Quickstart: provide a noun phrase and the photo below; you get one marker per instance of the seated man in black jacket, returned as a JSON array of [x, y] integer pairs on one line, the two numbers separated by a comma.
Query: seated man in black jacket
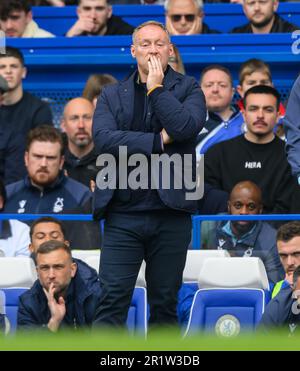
[[63, 295], [95, 18], [263, 18]]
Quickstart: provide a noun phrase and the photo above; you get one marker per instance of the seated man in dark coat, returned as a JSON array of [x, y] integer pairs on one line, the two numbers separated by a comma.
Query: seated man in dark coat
[[62, 296]]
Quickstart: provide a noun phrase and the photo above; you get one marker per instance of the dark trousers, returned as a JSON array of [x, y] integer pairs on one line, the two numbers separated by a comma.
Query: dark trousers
[[161, 239]]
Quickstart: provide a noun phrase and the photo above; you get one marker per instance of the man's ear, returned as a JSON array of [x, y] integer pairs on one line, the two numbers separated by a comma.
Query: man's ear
[[62, 161], [73, 269], [132, 49], [239, 89], [109, 11], [24, 74], [28, 17], [228, 207]]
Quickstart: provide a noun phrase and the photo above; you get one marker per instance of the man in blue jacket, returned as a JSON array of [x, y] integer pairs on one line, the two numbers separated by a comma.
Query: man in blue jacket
[[62, 296], [155, 111]]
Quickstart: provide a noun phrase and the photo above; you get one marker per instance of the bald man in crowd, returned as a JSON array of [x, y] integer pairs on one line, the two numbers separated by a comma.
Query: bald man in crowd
[[80, 157], [248, 238], [240, 238]]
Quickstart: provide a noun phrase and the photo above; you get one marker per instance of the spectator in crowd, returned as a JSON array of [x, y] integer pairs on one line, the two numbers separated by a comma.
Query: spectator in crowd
[[175, 61], [240, 238], [263, 18], [258, 155], [161, 112], [256, 72], [94, 86], [80, 156], [16, 20], [248, 238], [185, 17], [292, 129], [14, 235], [63, 296], [53, 2], [251, 73], [224, 121], [143, 2], [288, 245], [284, 310], [11, 152], [19, 108], [95, 18], [45, 189]]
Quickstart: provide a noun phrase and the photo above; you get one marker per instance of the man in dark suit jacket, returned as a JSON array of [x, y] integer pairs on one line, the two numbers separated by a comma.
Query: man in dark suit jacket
[[263, 18], [155, 111]]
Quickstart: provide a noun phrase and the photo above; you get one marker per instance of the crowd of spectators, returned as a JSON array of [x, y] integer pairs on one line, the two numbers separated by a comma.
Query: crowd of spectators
[[250, 146]]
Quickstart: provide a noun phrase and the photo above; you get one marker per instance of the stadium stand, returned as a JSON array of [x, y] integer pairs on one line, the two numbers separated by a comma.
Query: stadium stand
[[218, 16]]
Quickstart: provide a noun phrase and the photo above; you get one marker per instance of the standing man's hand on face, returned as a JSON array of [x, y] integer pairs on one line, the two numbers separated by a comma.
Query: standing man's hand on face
[[156, 73], [57, 308]]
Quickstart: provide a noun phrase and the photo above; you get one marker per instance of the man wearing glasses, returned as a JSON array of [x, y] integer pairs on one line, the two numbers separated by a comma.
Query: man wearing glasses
[[185, 17], [263, 18]]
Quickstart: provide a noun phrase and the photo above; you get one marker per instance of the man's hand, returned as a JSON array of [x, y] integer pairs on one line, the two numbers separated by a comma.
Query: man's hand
[[57, 308], [84, 24], [156, 73], [165, 137], [194, 30], [56, 2]]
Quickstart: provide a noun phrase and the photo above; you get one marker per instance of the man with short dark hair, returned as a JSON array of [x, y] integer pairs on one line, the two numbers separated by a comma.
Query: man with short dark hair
[[263, 18], [288, 246], [62, 296], [258, 155], [20, 110], [16, 20], [95, 18]]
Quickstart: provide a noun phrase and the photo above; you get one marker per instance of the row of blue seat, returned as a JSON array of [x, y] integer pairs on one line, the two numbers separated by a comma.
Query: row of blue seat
[[221, 17]]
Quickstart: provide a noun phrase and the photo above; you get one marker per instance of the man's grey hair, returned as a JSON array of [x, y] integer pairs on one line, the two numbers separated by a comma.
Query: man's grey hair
[[198, 3], [150, 23]]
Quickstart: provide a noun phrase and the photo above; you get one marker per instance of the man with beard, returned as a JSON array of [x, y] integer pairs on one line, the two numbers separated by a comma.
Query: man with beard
[[258, 155], [80, 156], [63, 296], [240, 238], [95, 18], [45, 189], [263, 19]]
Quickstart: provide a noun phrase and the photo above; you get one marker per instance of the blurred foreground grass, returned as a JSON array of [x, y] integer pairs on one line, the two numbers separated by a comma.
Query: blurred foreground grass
[[163, 340]]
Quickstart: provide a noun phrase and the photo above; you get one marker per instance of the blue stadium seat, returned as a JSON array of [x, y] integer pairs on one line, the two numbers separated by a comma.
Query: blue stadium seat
[[137, 314], [11, 306], [136, 320], [227, 312]]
